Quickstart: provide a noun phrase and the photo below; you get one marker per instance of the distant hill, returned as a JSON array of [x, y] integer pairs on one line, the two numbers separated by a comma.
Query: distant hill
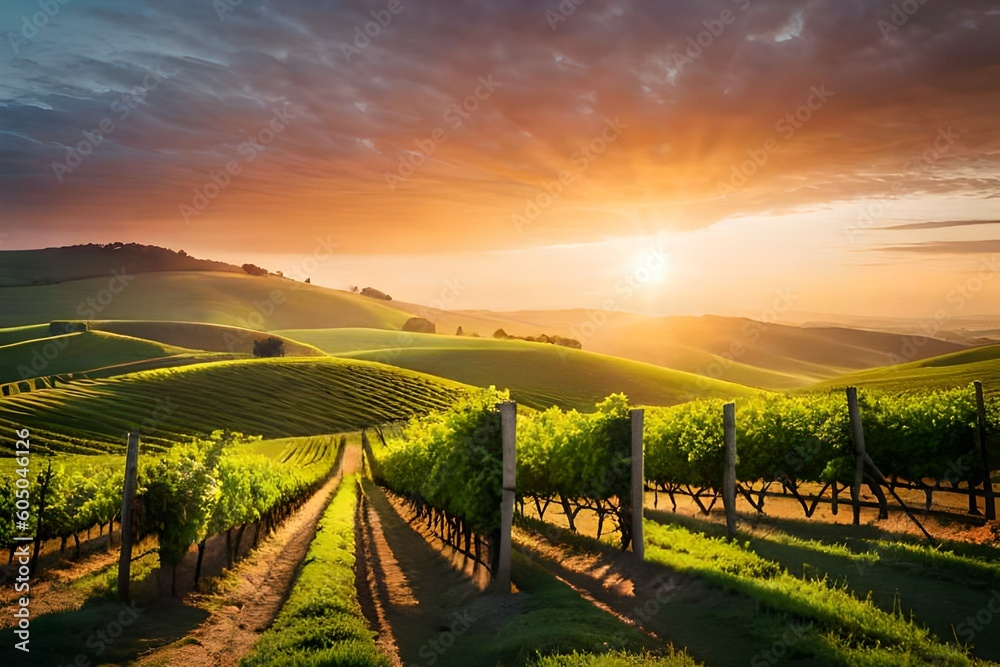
[[232, 299], [810, 353], [198, 336], [37, 286], [538, 374], [71, 353], [56, 265], [772, 356]]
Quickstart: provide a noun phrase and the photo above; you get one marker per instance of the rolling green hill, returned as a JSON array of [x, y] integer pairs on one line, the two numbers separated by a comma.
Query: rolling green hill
[[947, 371], [760, 354], [538, 375], [55, 265], [216, 298], [76, 352], [12, 335], [198, 336], [274, 398]]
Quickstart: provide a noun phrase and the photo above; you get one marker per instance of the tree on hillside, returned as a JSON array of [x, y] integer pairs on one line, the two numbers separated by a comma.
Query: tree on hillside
[[375, 294], [254, 270], [269, 347], [355, 289]]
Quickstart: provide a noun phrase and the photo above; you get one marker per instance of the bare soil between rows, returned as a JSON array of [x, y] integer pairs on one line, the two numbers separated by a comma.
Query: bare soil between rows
[[240, 615]]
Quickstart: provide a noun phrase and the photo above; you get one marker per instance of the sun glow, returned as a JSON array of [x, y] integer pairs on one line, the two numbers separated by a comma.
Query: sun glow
[[651, 266]]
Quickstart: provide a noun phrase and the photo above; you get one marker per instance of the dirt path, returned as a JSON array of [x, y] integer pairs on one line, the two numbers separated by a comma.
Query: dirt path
[[264, 578], [417, 590], [51, 589]]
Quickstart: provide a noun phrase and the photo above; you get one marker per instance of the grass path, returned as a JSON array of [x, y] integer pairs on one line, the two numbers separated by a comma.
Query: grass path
[[438, 616], [264, 579]]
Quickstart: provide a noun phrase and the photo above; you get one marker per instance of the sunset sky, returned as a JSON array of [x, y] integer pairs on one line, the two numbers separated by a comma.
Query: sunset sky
[[712, 153]]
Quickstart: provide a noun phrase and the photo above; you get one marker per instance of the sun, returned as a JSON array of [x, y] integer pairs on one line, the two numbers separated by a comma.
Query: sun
[[651, 266]]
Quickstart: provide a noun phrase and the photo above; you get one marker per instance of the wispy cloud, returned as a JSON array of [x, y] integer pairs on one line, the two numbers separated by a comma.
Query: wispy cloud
[[940, 224], [357, 119], [949, 247]]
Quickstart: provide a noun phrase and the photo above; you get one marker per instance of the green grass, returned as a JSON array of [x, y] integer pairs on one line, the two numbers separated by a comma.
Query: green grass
[[321, 622], [77, 352], [938, 586], [199, 336], [767, 355], [230, 299], [273, 398], [538, 375], [545, 618], [615, 659], [958, 369], [841, 625], [70, 634], [20, 334]]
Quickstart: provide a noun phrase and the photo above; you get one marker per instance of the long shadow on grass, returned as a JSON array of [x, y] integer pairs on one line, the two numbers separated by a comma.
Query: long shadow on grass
[[545, 616], [934, 587], [716, 626], [101, 633], [976, 565]]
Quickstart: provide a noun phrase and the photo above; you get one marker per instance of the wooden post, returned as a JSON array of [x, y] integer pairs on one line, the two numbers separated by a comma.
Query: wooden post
[[729, 473], [369, 455], [858, 435], [128, 498], [508, 423], [880, 478], [638, 484], [991, 509]]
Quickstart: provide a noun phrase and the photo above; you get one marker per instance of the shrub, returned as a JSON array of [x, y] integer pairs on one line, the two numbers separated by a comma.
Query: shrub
[[269, 347]]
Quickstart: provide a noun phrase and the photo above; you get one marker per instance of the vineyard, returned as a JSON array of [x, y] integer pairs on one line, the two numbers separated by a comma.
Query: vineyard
[[272, 398], [581, 461], [928, 442], [195, 491], [442, 490], [447, 466]]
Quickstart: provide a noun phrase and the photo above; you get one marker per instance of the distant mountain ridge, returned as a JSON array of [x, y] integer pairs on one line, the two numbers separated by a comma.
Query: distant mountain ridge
[[48, 266]]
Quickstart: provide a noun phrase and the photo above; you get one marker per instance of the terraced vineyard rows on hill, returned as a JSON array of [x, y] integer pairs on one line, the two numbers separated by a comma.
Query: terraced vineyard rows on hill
[[272, 398]]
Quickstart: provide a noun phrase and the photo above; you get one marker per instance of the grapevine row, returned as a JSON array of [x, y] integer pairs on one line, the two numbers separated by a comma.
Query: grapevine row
[[451, 461], [195, 490]]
